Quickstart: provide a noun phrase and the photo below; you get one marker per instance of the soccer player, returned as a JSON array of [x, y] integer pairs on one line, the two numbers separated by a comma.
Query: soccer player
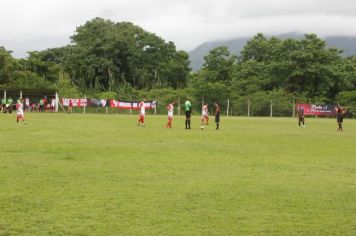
[[19, 112], [188, 113], [141, 118], [217, 115], [300, 113], [204, 116], [170, 109], [340, 111]]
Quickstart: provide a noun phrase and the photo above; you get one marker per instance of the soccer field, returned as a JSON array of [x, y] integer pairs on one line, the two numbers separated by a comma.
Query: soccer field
[[87, 174]]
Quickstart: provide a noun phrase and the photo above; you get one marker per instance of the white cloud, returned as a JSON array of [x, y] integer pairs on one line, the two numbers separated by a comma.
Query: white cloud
[[40, 24]]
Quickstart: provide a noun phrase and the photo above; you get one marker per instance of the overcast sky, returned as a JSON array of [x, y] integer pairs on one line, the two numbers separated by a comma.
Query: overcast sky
[[27, 25]]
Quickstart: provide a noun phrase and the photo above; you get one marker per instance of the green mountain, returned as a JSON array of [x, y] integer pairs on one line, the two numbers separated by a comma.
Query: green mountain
[[196, 56]]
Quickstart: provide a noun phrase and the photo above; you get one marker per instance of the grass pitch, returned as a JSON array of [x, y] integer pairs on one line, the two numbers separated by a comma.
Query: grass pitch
[[102, 175]]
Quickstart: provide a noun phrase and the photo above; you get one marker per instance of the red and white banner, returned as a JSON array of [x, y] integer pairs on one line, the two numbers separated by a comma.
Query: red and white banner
[[77, 102], [131, 105]]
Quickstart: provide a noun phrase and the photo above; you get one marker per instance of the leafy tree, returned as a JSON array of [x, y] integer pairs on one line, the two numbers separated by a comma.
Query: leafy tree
[[65, 86], [48, 70], [23, 79], [303, 66], [252, 76], [106, 55], [7, 65], [348, 99], [260, 49], [219, 66]]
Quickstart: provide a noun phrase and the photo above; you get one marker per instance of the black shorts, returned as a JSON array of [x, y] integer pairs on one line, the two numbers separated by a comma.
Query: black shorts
[[340, 119], [217, 118], [188, 114]]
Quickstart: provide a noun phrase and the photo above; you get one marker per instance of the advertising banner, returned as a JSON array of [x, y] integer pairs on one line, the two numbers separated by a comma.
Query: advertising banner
[[77, 102], [317, 110], [131, 105], [98, 102]]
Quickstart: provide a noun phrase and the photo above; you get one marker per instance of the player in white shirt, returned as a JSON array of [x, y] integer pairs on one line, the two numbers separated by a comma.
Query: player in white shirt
[[204, 116], [141, 118], [170, 109], [20, 112]]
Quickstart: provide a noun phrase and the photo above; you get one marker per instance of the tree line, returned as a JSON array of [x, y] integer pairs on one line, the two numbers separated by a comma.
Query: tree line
[[107, 59]]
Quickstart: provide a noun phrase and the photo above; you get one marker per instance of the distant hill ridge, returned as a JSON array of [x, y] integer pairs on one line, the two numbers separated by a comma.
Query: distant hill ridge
[[235, 45]]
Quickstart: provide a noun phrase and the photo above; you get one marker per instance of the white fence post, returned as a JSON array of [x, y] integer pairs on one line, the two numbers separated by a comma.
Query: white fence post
[[156, 106], [178, 106], [85, 97], [227, 107], [271, 108], [131, 105], [248, 107], [57, 102]]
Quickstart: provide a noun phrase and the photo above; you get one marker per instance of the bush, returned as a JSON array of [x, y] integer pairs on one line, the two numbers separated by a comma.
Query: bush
[[348, 99]]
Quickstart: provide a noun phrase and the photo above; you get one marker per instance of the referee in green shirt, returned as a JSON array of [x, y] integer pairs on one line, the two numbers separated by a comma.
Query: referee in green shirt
[[188, 112]]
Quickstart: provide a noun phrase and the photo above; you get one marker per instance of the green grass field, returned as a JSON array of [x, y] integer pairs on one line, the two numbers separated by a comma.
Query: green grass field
[[102, 175]]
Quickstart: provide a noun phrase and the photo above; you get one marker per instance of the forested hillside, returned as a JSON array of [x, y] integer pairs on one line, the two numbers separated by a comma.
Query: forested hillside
[[235, 45]]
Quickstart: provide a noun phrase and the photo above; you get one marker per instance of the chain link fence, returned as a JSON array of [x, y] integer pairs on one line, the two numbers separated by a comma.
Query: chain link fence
[[281, 106]]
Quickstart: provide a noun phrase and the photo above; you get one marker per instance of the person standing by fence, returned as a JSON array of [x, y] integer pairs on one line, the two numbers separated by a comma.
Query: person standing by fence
[[9, 105], [70, 106], [107, 106], [3, 104], [27, 104], [41, 105]]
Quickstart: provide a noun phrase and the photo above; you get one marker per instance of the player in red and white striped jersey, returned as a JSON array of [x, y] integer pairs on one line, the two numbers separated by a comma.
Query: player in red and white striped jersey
[[20, 112], [204, 115], [141, 118], [170, 109]]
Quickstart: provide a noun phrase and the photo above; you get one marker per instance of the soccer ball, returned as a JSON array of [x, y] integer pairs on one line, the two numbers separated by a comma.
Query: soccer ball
[[202, 127]]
